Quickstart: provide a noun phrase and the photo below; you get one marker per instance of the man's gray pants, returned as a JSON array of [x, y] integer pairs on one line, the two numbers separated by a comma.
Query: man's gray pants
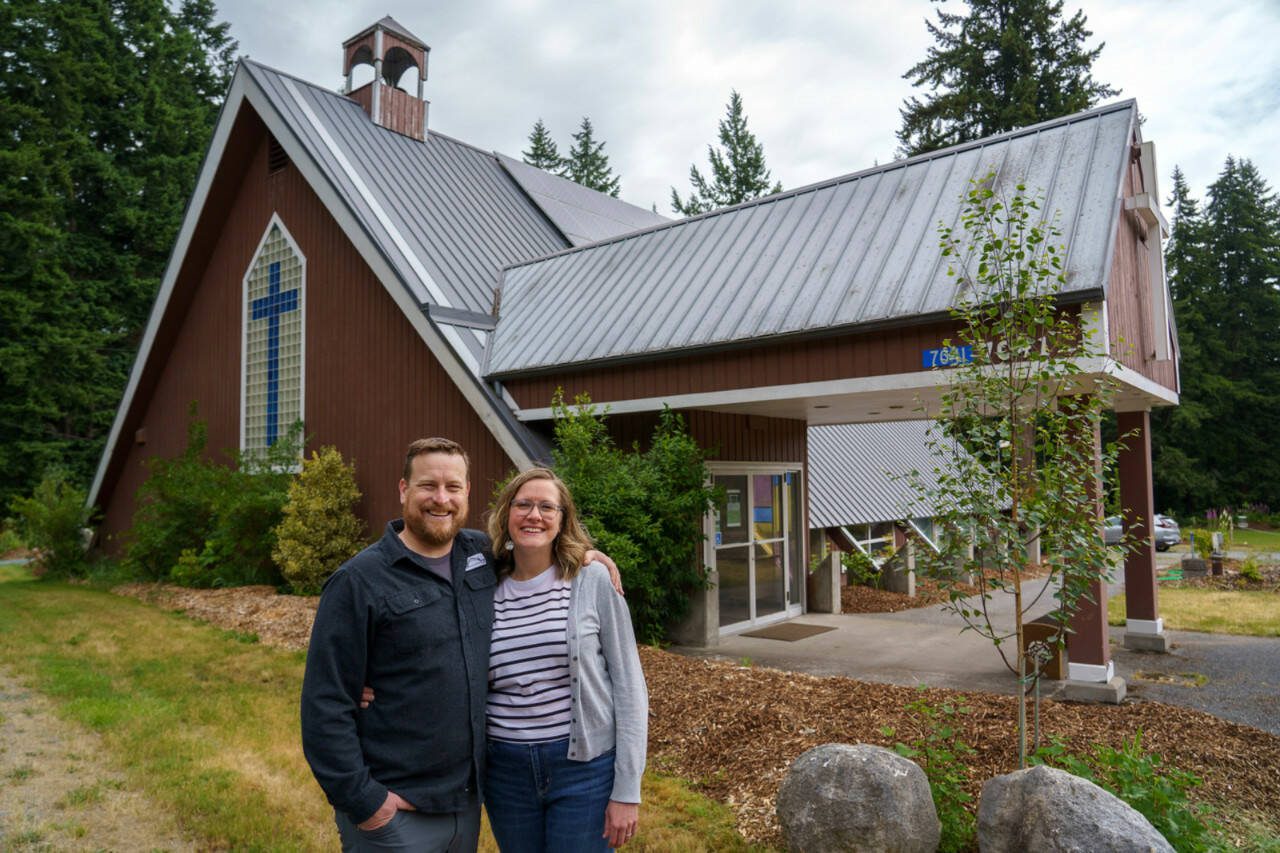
[[414, 831]]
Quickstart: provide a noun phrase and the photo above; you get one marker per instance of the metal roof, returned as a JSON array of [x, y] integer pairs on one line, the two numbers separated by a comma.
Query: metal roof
[[447, 215], [582, 215], [857, 473], [391, 25], [856, 250]]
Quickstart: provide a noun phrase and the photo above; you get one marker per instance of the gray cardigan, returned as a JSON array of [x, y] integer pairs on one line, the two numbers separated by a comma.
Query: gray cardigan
[[610, 700]]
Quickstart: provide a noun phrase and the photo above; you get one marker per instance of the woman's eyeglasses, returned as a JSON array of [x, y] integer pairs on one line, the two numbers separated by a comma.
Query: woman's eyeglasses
[[545, 508]]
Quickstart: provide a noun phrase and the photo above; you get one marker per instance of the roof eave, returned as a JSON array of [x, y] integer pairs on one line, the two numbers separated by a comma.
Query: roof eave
[[1074, 297]]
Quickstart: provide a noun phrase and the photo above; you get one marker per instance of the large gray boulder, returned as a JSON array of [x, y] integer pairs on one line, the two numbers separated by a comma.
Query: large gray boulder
[[864, 798], [1050, 811]]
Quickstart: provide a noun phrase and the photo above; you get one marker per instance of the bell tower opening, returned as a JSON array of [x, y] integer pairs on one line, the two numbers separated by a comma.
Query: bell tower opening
[[393, 52]]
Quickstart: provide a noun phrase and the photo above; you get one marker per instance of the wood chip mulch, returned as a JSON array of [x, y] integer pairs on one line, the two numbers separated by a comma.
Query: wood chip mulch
[[735, 730], [856, 598]]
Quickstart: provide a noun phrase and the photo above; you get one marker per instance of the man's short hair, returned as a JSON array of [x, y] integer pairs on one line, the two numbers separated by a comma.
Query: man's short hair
[[434, 445]]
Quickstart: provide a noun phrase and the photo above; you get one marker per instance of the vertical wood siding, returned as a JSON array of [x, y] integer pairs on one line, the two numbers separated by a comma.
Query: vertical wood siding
[[1129, 310], [854, 355], [371, 385], [727, 437]]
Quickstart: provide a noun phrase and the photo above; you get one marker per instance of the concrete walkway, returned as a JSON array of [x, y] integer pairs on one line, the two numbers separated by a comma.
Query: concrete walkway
[[1235, 678]]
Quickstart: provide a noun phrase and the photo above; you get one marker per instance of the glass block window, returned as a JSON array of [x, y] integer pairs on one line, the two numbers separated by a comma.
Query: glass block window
[[273, 329]]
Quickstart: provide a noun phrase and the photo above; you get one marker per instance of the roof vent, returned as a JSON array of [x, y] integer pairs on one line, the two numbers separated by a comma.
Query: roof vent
[[277, 159], [392, 51]]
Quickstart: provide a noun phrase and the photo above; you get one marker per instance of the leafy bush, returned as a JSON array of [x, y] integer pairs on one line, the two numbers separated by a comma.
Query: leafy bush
[[644, 509], [222, 518], [1141, 779], [319, 530], [53, 522], [1203, 542], [1249, 570], [860, 568], [10, 540], [943, 756]]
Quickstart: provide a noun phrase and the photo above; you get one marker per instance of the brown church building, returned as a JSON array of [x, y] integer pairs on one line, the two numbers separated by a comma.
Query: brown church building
[[344, 264]]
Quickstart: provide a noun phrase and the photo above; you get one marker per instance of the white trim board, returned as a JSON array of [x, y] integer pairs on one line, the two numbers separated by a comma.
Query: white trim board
[[913, 382]]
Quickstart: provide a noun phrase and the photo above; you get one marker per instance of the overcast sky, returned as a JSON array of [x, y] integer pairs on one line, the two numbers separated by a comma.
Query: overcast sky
[[821, 79]]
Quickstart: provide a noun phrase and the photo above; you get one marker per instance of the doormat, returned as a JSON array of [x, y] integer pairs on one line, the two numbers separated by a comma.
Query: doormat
[[789, 631]]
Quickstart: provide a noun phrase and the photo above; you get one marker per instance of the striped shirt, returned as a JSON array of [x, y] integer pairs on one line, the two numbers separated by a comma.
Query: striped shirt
[[529, 695]]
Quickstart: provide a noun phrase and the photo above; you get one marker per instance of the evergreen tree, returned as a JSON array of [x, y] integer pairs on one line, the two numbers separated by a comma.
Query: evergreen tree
[[1218, 448], [543, 152], [1005, 64], [105, 110], [738, 172], [587, 164]]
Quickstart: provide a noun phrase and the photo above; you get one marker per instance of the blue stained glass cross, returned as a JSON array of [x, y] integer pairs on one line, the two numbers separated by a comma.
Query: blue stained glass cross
[[270, 307]]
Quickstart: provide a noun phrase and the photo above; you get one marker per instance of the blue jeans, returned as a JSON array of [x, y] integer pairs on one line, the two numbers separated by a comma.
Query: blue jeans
[[538, 800]]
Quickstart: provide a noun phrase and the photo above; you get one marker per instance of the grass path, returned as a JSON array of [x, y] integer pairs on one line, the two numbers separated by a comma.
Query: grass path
[[204, 722], [57, 791]]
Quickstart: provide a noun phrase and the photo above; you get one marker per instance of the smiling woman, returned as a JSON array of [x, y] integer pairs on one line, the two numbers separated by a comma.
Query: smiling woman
[[568, 709]]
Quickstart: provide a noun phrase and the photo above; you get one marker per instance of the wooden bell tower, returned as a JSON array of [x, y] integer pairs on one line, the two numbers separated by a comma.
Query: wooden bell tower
[[392, 51]]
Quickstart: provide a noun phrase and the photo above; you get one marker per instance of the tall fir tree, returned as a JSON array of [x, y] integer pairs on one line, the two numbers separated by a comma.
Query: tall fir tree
[[543, 152], [587, 164], [1005, 64], [738, 171], [105, 110], [1220, 447]]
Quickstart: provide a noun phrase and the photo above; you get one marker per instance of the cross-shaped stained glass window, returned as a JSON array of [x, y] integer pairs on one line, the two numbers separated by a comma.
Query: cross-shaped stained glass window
[[273, 342]]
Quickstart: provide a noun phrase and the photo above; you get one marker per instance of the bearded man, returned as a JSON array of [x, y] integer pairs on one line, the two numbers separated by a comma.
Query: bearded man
[[410, 617]]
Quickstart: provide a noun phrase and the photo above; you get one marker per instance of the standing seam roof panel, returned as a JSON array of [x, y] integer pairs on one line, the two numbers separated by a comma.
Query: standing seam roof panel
[[691, 301], [670, 252], [758, 265], [809, 256], [729, 305], [829, 289], [886, 300], [780, 244]]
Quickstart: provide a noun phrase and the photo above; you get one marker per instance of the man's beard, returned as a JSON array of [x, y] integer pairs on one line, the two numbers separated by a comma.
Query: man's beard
[[435, 533]]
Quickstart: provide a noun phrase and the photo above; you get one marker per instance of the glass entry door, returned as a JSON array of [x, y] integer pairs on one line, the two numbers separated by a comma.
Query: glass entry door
[[757, 546]]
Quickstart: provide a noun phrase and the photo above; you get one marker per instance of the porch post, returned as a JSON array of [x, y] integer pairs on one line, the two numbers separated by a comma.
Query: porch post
[[1090, 671], [1144, 629]]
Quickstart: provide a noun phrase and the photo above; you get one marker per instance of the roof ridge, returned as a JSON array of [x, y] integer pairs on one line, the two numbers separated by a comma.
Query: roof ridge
[[950, 151]]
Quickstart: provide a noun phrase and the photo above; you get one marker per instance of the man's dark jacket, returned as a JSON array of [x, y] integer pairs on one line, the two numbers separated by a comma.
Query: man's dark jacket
[[422, 644]]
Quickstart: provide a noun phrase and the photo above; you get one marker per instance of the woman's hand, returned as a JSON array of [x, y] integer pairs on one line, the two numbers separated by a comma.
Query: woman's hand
[[620, 822]]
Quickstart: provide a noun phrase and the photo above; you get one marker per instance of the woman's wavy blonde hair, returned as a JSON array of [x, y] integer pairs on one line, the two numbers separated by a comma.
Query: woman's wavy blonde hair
[[571, 543]]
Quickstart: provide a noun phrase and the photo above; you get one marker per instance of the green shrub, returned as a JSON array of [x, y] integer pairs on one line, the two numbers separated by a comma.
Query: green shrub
[[644, 509], [10, 540], [1203, 542], [860, 568], [1249, 570], [53, 522], [1141, 779], [943, 758], [204, 524], [319, 530]]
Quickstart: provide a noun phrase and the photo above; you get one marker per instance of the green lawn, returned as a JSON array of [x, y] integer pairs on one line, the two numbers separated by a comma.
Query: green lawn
[[1256, 540], [1250, 612], [205, 722]]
